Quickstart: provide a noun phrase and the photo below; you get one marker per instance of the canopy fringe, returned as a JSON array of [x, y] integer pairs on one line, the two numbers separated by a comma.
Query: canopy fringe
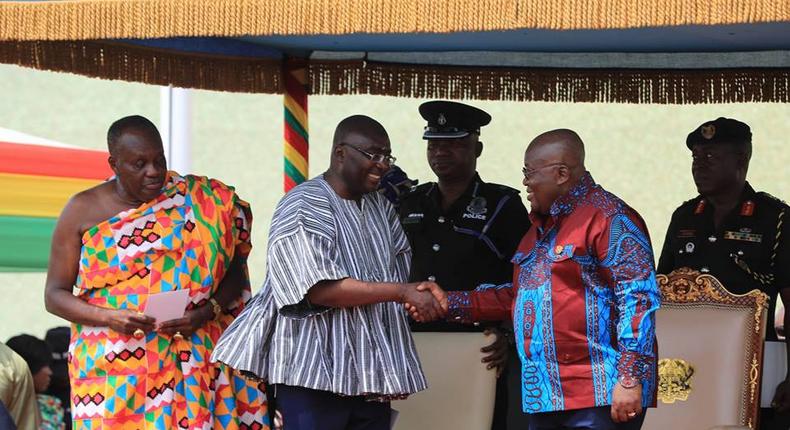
[[159, 67], [553, 85], [146, 65]]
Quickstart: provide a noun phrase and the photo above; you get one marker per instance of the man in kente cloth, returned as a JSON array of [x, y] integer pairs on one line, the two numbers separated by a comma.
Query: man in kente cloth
[[147, 231]]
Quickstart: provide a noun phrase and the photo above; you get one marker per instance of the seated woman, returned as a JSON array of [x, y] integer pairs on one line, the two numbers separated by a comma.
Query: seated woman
[[38, 357], [57, 338]]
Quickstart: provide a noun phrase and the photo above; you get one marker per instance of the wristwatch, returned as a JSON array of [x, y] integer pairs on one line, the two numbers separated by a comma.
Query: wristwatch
[[628, 381], [215, 307]]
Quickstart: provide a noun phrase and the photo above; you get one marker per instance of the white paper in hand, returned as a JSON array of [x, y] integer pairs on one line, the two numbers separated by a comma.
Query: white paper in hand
[[167, 306]]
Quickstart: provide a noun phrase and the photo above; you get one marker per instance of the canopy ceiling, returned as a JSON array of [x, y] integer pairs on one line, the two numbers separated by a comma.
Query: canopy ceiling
[[652, 51]]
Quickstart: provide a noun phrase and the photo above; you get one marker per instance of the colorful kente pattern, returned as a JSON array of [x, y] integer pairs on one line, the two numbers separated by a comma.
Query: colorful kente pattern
[[184, 239]]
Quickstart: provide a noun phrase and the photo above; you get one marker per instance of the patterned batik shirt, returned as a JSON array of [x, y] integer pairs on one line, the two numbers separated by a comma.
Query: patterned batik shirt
[[583, 299], [364, 350]]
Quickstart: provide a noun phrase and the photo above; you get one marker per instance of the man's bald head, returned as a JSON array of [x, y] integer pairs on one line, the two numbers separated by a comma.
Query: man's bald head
[[562, 145], [359, 124], [553, 164], [358, 140]]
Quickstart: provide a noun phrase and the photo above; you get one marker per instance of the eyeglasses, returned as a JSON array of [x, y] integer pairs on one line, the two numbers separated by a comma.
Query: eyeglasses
[[530, 173], [376, 158]]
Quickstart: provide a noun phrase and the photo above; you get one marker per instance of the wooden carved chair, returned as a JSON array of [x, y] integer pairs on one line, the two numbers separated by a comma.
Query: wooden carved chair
[[710, 354]]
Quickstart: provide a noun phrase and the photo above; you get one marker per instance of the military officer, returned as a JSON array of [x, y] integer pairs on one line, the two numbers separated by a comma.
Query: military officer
[[730, 230], [463, 231]]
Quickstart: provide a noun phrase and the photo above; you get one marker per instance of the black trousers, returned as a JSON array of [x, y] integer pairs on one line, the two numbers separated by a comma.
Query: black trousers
[[771, 420], [589, 418], [305, 409]]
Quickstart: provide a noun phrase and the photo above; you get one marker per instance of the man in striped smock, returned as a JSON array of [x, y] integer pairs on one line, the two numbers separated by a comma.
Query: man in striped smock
[[327, 329]]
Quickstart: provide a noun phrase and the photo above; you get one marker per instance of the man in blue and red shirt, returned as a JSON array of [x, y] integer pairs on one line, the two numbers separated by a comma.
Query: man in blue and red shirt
[[582, 299]]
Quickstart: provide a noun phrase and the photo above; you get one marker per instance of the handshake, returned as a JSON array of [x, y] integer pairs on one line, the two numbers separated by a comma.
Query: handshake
[[424, 301]]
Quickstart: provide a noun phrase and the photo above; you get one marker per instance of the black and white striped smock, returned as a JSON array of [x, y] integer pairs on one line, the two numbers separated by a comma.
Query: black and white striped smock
[[366, 350]]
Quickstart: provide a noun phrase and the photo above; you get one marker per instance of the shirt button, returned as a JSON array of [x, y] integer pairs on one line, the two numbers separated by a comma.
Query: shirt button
[[432, 278], [440, 219], [712, 239], [436, 247]]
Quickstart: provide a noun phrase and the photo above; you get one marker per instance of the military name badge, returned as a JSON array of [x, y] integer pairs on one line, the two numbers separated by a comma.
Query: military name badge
[[687, 233], [476, 209], [742, 236], [413, 218]]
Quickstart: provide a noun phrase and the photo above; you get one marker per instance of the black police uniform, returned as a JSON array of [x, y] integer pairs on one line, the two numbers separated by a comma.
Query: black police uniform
[[472, 242], [468, 244]]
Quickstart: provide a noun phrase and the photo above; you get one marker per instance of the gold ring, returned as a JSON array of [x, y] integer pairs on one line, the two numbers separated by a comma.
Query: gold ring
[[631, 414], [178, 336], [139, 333]]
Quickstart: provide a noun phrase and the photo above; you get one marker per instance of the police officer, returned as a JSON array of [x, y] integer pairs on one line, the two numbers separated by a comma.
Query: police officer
[[731, 231], [463, 231]]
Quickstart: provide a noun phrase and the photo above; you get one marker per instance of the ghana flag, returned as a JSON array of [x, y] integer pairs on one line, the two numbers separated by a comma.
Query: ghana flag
[[37, 177]]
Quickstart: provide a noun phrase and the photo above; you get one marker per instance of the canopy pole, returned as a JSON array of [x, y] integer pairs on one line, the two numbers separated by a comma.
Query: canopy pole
[[175, 113], [295, 79]]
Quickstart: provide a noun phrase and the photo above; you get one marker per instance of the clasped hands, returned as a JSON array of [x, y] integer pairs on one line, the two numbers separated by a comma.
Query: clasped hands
[[128, 321], [425, 301]]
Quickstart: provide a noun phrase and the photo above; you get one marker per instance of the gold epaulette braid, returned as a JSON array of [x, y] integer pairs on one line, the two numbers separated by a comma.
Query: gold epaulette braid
[[765, 278]]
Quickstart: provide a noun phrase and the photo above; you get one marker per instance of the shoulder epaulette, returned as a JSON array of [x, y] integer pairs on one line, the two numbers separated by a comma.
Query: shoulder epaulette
[[772, 199], [691, 202], [418, 189], [503, 188], [690, 205]]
